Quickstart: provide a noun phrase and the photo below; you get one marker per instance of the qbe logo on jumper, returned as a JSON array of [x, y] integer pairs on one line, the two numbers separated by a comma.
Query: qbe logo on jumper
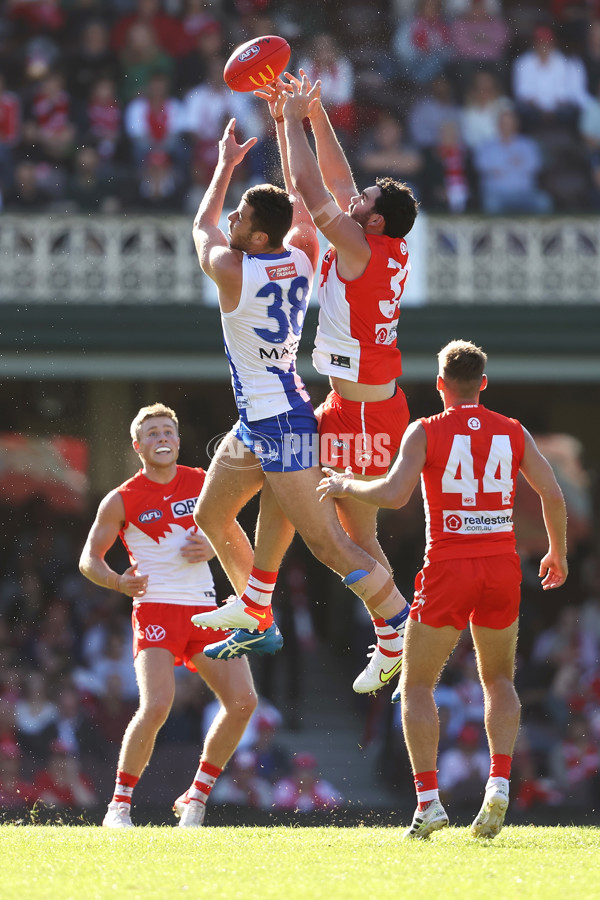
[[183, 507], [457, 521]]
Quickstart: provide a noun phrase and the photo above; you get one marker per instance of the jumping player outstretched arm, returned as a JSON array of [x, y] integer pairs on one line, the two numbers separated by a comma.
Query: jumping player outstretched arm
[[333, 163], [347, 236], [302, 233], [538, 472], [217, 259], [391, 492]]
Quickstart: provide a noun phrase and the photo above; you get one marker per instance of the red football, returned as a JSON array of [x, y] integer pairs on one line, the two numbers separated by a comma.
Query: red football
[[256, 63]]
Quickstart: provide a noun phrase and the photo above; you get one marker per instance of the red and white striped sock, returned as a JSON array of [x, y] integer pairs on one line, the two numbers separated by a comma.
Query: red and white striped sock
[[259, 590], [390, 642], [124, 786], [427, 788], [203, 782]]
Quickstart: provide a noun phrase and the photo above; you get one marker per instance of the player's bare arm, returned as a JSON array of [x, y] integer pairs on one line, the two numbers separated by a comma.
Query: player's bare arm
[[217, 259], [334, 166], [347, 236], [302, 233], [391, 492], [538, 472], [103, 533]]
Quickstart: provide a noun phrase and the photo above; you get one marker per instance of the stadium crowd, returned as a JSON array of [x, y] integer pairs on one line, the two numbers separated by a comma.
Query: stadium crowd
[[481, 105]]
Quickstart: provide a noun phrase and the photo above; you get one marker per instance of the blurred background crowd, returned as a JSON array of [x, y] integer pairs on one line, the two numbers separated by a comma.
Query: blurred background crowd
[[481, 105], [113, 106]]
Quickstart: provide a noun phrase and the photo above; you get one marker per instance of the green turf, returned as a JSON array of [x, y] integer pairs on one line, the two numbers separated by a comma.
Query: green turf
[[86, 863]]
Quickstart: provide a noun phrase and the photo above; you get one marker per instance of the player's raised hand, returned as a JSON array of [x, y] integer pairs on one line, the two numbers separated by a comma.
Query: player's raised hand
[[229, 149], [553, 570], [301, 97], [274, 94], [334, 484], [197, 547], [132, 583], [315, 104]]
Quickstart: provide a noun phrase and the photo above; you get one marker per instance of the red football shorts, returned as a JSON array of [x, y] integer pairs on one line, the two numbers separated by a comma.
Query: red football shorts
[[365, 436], [484, 590], [169, 625]]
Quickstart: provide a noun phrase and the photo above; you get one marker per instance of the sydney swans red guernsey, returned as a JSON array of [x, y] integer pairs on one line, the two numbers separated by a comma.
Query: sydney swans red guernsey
[[358, 320], [468, 482], [157, 519]]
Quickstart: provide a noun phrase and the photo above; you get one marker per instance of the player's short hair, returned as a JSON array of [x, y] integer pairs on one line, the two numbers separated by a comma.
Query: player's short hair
[[462, 361], [152, 412], [272, 211], [398, 206]]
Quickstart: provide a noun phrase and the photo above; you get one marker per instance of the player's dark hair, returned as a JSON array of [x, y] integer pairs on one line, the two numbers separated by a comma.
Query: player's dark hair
[[398, 206], [462, 361], [271, 211]]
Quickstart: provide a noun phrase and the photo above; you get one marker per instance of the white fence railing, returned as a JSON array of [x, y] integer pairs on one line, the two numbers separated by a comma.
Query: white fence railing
[[57, 259]]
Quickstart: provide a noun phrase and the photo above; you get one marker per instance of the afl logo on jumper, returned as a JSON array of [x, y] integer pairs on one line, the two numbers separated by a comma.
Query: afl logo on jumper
[[183, 507], [474, 423], [154, 632], [150, 515]]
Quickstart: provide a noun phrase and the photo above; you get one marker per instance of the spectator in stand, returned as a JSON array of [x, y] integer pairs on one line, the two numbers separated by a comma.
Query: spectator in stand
[[575, 764], [273, 760], [532, 789], [208, 108], [304, 790], [35, 715], [422, 43], [61, 783], [155, 121], [591, 57], [462, 768], [207, 41], [446, 176], [15, 791], [141, 57], [159, 185], [323, 59], [479, 38], [74, 726], [384, 149], [508, 169], [243, 783], [91, 60], [37, 16], [49, 121], [8, 700], [10, 132], [88, 190], [480, 114], [429, 113], [111, 712], [589, 127], [572, 18], [102, 119], [116, 660], [167, 30], [549, 87]]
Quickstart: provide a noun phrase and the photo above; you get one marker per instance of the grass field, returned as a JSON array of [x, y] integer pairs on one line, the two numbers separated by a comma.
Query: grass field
[[282, 863]]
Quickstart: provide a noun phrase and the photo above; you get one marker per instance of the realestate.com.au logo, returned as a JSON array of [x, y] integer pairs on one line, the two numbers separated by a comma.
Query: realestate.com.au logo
[[302, 451]]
